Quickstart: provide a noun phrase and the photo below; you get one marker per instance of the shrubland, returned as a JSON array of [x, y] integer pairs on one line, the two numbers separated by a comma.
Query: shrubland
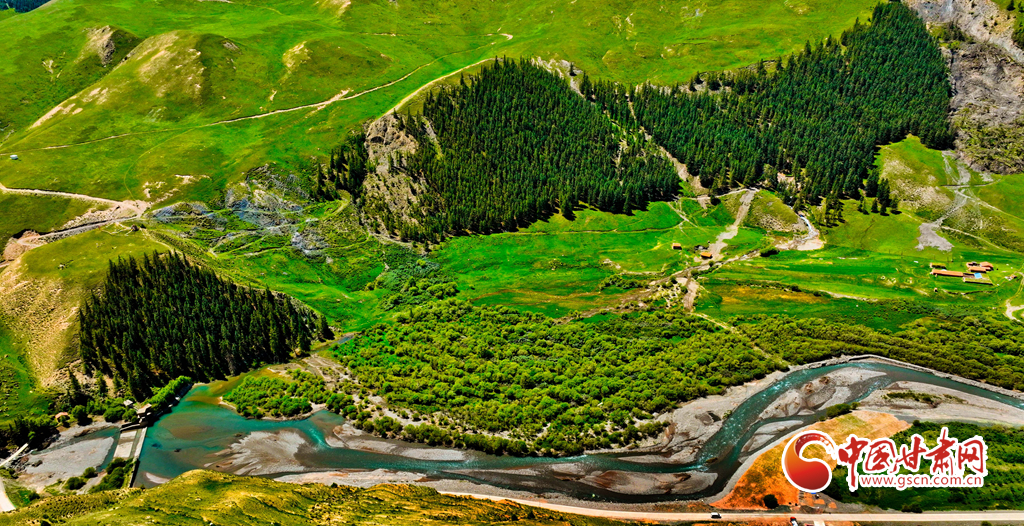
[[503, 381]]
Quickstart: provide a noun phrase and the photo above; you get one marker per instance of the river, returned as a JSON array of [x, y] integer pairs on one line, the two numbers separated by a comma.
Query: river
[[199, 434]]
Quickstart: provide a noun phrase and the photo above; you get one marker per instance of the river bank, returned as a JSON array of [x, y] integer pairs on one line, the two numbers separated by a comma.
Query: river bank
[[709, 442]]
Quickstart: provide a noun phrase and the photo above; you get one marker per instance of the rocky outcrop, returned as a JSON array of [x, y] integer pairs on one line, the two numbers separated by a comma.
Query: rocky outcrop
[[982, 20], [107, 44], [392, 198], [987, 75], [988, 106]]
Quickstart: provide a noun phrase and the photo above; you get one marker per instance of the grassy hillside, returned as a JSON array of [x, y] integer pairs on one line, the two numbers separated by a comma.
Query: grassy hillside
[[38, 213], [203, 497], [39, 298], [250, 58]]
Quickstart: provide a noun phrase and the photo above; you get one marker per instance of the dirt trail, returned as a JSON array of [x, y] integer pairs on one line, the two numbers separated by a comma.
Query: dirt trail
[[66, 195], [340, 97], [117, 212], [929, 231], [741, 214], [435, 81]]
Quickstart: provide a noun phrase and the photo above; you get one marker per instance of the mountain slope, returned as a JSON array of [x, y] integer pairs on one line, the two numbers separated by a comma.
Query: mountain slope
[[254, 58]]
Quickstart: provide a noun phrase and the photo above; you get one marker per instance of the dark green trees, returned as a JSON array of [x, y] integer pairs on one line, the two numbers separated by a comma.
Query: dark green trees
[[346, 168], [515, 144], [162, 317], [818, 117], [21, 6]]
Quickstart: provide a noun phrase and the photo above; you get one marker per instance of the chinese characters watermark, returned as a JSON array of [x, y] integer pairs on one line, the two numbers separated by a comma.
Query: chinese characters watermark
[[879, 463]]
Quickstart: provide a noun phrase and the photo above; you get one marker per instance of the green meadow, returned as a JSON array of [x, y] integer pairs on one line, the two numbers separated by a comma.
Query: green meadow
[[871, 266], [556, 266]]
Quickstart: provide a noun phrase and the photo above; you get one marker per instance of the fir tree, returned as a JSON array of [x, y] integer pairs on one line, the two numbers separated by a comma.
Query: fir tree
[[158, 320]]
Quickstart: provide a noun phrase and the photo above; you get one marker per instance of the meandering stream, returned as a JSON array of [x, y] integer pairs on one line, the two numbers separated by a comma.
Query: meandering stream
[[199, 434]]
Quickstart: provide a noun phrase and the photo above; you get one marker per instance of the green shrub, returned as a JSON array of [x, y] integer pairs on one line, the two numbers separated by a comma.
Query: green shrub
[[113, 414], [74, 483]]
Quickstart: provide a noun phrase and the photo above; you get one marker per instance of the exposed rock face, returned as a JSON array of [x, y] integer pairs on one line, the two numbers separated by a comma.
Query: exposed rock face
[[392, 197], [988, 82], [983, 20], [100, 43], [988, 106]]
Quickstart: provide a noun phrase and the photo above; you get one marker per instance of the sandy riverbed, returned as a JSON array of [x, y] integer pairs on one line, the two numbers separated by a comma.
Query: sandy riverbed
[[68, 457], [949, 405], [263, 453], [347, 436]]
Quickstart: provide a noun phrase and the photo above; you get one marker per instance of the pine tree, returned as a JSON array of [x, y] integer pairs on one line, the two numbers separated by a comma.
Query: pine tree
[[326, 334], [874, 206], [166, 318]]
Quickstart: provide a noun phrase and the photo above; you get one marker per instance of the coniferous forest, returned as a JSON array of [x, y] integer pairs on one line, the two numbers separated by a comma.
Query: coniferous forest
[[515, 144], [818, 116], [163, 317]]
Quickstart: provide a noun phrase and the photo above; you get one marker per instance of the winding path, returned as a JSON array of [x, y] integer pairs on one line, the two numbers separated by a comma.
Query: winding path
[[929, 231], [733, 229], [134, 209], [66, 195], [340, 97]]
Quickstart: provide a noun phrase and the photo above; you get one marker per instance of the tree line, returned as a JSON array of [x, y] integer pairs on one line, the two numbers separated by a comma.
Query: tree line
[[514, 144], [21, 6], [163, 317], [817, 117]]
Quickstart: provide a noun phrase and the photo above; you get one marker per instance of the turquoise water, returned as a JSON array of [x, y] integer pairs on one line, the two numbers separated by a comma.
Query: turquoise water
[[197, 431]]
